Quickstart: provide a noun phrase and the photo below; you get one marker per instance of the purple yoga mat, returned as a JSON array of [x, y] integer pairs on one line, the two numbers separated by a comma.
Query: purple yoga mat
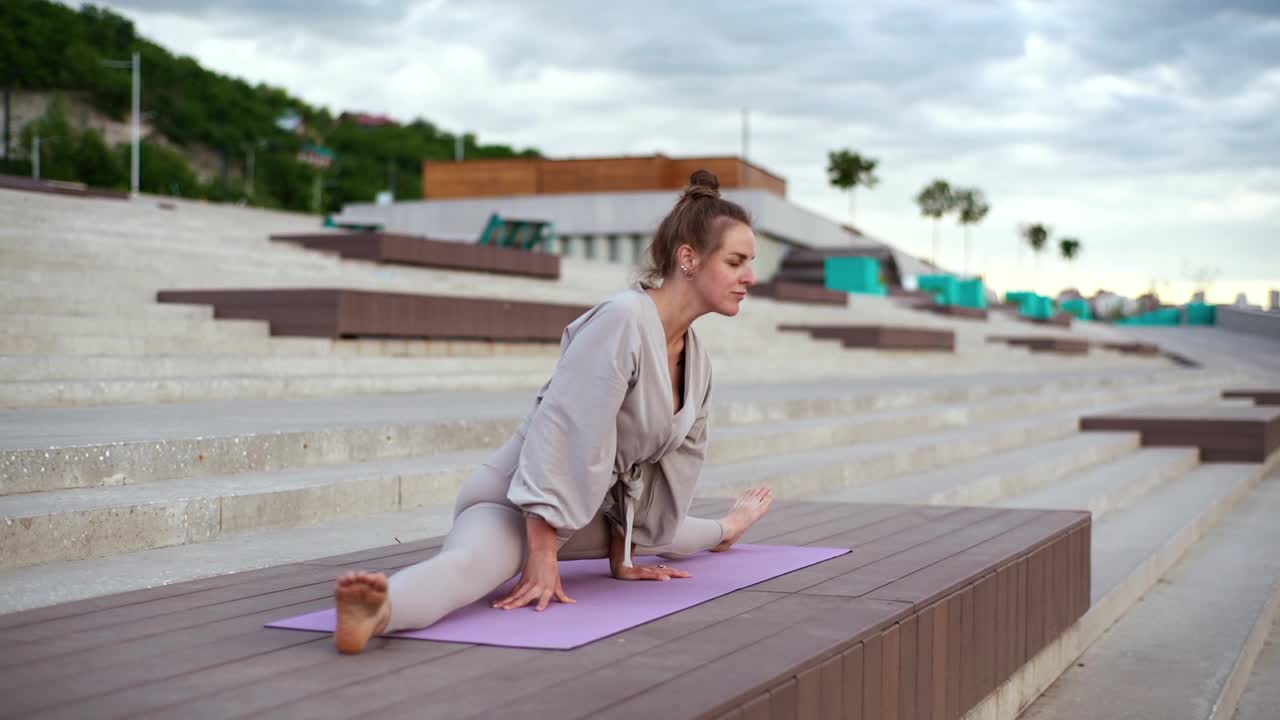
[[605, 606]]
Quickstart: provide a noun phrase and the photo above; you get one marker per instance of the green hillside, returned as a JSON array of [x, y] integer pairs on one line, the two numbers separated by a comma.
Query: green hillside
[[47, 46]]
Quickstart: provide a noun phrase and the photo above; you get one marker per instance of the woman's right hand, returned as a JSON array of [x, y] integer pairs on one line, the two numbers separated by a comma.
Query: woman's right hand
[[540, 582]]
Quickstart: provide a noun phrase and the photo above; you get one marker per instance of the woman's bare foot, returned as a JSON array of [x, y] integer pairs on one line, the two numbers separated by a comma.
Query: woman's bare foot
[[749, 508], [363, 609]]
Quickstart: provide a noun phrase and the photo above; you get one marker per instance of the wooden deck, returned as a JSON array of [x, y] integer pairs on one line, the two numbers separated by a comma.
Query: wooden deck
[[783, 291], [1039, 343], [933, 608], [1222, 434], [396, 249], [1259, 396], [881, 337], [339, 313]]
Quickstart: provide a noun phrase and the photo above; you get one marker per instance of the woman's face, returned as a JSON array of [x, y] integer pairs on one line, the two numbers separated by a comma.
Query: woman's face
[[722, 278]]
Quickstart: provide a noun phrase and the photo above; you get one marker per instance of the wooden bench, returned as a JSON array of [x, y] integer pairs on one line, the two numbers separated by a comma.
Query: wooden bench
[[933, 609], [1223, 434], [338, 313], [955, 311], [1133, 348], [58, 187], [783, 291], [881, 337], [391, 248], [1037, 343], [1059, 320], [1259, 397]]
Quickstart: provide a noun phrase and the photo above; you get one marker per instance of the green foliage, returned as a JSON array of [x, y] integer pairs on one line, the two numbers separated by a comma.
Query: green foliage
[[936, 199], [1037, 236], [848, 170], [1069, 247], [49, 46], [972, 205]]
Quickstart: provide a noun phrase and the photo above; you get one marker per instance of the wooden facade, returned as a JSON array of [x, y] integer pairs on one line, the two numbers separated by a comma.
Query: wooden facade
[[443, 180]]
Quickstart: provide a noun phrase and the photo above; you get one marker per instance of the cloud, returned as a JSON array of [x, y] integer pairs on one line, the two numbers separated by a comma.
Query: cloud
[[1147, 128]]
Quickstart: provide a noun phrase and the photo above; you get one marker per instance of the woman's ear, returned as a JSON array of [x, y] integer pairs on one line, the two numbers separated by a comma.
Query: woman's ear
[[687, 257]]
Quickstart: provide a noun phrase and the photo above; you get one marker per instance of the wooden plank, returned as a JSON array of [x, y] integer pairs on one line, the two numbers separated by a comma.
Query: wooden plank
[[719, 672], [985, 636], [955, 644], [783, 700], [1005, 618], [1021, 621], [924, 662], [809, 694], [757, 709], [854, 692], [968, 651], [831, 674], [941, 659], [908, 694], [873, 677]]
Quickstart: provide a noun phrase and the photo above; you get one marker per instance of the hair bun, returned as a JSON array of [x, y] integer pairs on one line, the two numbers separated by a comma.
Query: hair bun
[[703, 183]]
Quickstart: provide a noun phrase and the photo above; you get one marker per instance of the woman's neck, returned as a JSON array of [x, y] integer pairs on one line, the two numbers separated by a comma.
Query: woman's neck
[[678, 307]]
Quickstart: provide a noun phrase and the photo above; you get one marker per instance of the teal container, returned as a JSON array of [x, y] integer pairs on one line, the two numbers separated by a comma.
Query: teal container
[[1079, 308], [971, 294], [854, 275], [1039, 307], [1018, 296], [945, 289], [1201, 314]]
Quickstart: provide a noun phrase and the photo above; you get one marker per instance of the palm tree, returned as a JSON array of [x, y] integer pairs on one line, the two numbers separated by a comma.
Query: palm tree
[[936, 200], [1069, 247], [973, 207], [847, 170], [1037, 236]]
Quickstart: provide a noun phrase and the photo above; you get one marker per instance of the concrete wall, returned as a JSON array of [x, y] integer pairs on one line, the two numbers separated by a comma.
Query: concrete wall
[[1254, 322]]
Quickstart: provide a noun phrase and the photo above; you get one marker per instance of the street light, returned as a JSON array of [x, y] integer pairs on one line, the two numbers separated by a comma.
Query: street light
[[136, 65], [35, 154]]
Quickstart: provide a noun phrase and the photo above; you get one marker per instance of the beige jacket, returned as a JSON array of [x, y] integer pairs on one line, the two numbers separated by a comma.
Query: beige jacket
[[603, 433]]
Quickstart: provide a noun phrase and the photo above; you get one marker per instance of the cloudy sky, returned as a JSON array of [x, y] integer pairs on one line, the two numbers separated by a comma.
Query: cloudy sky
[[1149, 130]]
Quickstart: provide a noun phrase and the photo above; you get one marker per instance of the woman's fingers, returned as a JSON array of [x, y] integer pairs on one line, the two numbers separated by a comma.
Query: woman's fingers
[[520, 597], [562, 597]]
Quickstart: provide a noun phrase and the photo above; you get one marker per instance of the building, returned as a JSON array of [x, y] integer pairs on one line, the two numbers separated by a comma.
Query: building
[[606, 209]]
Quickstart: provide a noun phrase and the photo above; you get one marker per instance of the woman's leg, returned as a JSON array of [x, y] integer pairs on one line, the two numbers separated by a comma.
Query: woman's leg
[[694, 535], [484, 548]]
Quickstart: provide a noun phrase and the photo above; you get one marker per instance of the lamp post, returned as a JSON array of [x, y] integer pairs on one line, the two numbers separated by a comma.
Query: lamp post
[[35, 154], [135, 64]]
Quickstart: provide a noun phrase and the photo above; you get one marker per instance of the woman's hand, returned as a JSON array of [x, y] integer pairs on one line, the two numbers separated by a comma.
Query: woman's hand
[[540, 581], [648, 572]]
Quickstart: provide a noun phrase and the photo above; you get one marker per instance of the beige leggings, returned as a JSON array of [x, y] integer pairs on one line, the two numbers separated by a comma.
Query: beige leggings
[[486, 547]]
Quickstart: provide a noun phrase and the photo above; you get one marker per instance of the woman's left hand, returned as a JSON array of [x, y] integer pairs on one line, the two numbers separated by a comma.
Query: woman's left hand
[[648, 572]]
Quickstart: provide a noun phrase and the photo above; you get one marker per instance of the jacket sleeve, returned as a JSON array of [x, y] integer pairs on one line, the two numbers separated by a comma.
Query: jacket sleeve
[[566, 465]]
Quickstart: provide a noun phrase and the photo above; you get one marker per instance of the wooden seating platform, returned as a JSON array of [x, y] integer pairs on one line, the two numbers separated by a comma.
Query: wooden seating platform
[[1222, 433], [783, 291], [58, 187], [1133, 348], [934, 608], [1039, 343], [881, 337], [1259, 397], [1060, 320], [955, 311], [391, 248], [339, 313]]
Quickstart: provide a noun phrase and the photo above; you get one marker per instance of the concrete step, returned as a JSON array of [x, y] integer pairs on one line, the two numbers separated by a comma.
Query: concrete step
[[71, 307], [1132, 548], [1114, 485], [1186, 650], [998, 476], [133, 326], [1261, 697], [114, 345], [78, 393], [36, 368], [79, 524], [52, 448], [82, 523]]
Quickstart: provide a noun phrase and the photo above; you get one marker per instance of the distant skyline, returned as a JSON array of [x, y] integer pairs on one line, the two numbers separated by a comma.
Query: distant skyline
[[1149, 130]]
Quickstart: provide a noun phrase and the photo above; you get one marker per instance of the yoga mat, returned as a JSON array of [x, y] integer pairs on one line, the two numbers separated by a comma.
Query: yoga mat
[[605, 606]]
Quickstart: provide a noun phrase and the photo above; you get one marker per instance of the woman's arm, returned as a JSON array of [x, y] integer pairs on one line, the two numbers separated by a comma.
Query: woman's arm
[[637, 572], [540, 581]]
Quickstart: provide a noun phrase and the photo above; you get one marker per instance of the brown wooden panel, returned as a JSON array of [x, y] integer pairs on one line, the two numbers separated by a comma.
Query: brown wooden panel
[[759, 708], [955, 657], [1259, 396], [831, 674], [968, 650], [941, 660], [392, 248], [809, 693], [873, 677], [908, 642], [1005, 617], [956, 311], [985, 636], [1021, 620], [1222, 433], [883, 337], [924, 662], [783, 700], [890, 677], [854, 672], [784, 291]]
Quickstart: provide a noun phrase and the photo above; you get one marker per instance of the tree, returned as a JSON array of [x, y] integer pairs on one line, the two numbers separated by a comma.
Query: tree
[[1069, 247], [973, 207], [847, 170], [1037, 236], [936, 200]]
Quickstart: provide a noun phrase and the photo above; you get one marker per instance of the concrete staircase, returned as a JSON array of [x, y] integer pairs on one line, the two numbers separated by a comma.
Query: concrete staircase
[[79, 279]]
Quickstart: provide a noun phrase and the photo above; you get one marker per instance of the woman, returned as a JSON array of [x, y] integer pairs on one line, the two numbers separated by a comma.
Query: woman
[[606, 462]]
